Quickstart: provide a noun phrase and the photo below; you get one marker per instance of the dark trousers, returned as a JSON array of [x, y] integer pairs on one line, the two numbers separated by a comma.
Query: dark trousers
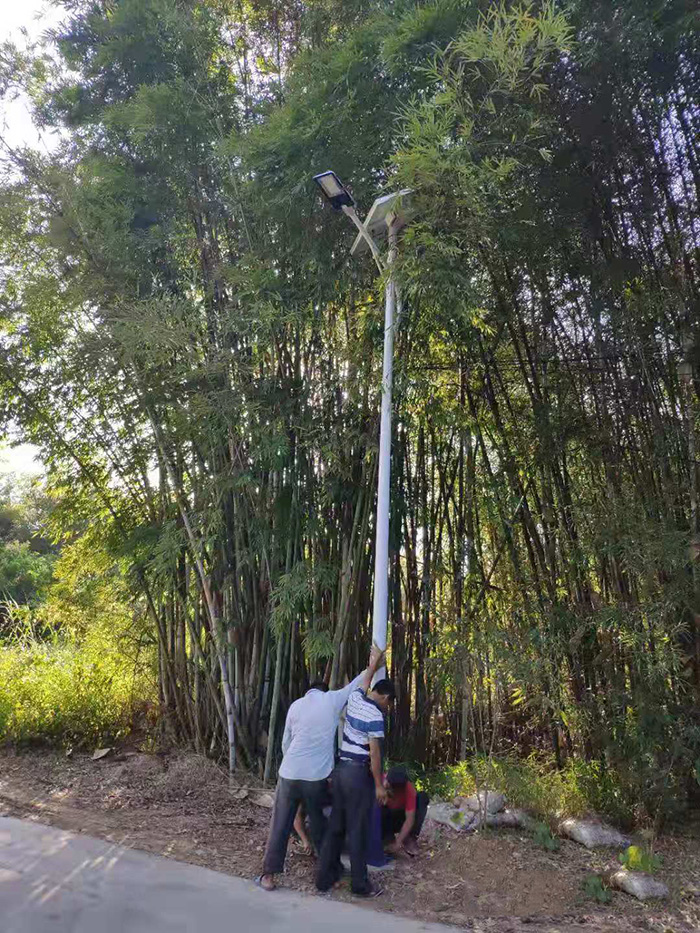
[[353, 799], [393, 820], [287, 799]]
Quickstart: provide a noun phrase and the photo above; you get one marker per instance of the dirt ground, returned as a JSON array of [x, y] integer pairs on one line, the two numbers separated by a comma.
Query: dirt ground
[[185, 808]]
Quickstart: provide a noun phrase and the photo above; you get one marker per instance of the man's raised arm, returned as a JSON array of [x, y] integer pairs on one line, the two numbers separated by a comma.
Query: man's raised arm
[[363, 680]]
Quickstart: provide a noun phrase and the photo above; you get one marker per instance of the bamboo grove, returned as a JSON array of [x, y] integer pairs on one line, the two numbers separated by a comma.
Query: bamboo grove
[[186, 337]]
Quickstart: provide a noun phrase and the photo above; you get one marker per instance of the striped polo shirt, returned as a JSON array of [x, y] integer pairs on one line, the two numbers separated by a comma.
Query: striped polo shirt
[[363, 721]]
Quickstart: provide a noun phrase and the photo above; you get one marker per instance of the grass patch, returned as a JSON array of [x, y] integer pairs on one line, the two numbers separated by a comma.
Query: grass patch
[[69, 691]]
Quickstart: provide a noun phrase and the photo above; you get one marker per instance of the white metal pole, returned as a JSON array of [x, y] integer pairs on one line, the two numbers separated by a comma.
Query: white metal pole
[[381, 554]]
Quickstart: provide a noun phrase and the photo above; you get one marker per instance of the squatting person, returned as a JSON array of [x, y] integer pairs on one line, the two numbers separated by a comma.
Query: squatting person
[[403, 813]]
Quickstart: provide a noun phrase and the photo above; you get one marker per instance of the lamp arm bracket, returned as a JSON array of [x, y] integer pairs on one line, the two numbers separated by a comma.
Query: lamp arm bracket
[[366, 235]]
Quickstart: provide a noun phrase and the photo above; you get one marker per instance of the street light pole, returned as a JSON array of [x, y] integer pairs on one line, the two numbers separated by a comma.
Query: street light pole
[[381, 552], [384, 219]]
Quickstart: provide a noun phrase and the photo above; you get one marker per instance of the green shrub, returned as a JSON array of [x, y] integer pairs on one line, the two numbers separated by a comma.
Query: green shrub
[[535, 784], [69, 691], [636, 858], [543, 837], [446, 782], [594, 887], [24, 574], [5, 704]]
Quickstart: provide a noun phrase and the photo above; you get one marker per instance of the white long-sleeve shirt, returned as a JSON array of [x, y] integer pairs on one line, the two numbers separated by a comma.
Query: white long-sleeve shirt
[[309, 733]]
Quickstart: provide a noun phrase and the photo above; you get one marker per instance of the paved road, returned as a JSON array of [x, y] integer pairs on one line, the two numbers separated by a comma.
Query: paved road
[[52, 881]]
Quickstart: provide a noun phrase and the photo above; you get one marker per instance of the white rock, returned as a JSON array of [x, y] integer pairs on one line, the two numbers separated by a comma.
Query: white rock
[[448, 815], [101, 753], [265, 800], [526, 820], [486, 800], [593, 834], [514, 818], [430, 832], [638, 884]]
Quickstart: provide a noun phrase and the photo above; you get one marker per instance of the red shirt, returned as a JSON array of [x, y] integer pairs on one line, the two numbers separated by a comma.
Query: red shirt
[[402, 798]]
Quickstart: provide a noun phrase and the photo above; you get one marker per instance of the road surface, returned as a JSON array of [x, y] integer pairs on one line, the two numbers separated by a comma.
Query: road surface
[[52, 881]]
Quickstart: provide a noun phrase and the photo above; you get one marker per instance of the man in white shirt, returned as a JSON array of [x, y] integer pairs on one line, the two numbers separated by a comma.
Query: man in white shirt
[[308, 747]]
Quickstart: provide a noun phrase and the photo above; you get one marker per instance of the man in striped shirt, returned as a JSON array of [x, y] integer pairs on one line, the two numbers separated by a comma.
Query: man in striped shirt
[[357, 782]]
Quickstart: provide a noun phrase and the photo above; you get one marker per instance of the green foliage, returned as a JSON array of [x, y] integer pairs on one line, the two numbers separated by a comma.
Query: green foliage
[[24, 574], [594, 887], [26, 554], [71, 692], [637, 858], [78, 666], [543, 837], [538, 786], [292, 598]]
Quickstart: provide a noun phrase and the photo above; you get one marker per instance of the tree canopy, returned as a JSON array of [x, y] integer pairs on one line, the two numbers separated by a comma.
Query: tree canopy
[[185, 336]]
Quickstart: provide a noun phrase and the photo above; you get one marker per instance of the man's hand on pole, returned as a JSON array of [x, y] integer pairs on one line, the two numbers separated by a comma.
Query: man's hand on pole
[[375, 663], [376, 658]]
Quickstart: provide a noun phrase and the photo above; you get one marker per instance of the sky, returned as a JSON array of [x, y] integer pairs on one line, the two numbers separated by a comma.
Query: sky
[[35, 16], [16, 128], [20, 460]]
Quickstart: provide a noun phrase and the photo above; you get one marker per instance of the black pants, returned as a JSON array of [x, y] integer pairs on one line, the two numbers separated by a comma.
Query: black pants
[[289, 795], [393, 820], [353, 799]]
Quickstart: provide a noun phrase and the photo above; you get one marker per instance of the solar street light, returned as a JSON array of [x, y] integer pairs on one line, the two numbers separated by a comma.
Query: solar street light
[[387, 216]]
